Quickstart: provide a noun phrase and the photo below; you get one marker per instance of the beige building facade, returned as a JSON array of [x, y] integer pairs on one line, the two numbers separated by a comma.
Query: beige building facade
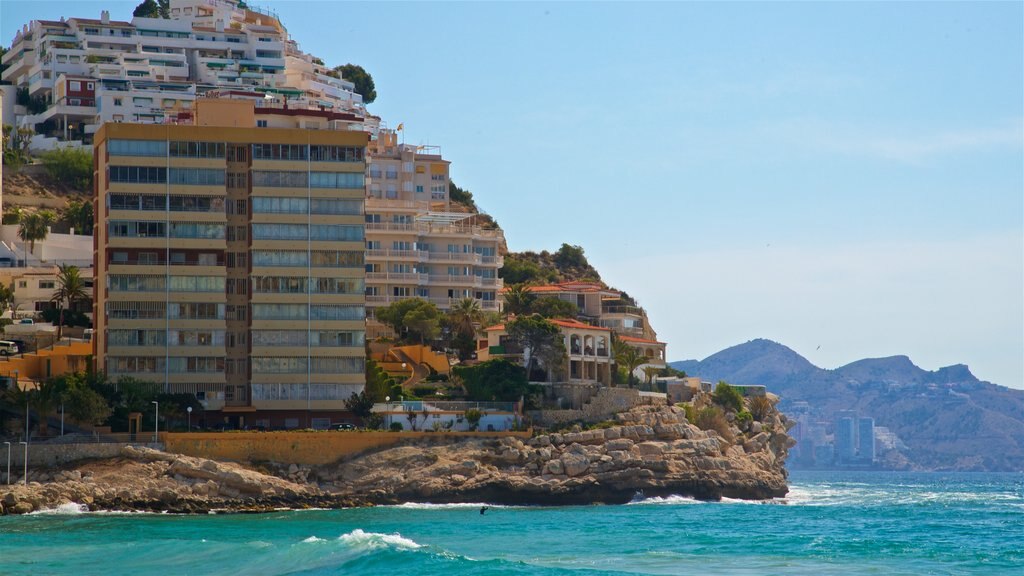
[[232, 265]]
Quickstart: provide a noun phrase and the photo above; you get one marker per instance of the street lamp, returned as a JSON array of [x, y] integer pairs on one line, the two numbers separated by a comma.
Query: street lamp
[[156, 423], [189, 410], [61, 418], [26, 462], [8, 463]]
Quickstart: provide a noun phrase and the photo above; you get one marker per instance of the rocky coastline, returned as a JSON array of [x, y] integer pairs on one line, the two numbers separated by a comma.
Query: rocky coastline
[[653, 451]]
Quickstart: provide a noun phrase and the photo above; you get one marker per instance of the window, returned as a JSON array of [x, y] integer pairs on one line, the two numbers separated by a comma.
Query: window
[[197, 149], [46, 284], [259, 123], [137, 174]]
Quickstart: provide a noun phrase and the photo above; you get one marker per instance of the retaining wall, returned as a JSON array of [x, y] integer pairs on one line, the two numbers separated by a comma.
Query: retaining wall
[[54, 455], [602, 406], [302, 447]]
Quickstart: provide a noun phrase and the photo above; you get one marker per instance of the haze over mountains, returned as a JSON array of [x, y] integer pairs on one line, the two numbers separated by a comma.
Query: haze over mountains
[[947, 418]]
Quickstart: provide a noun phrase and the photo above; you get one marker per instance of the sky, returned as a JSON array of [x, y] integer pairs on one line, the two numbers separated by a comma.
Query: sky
[[844, 178]]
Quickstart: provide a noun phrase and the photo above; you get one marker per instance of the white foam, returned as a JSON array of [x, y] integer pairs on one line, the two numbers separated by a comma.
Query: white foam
[[452, 506], [375, 540], [313, 539], [63, 509], [670, 500]]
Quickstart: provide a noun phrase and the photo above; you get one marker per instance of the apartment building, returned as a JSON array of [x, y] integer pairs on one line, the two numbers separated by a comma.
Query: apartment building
[[419, 244], [80, 72], [232, 262]]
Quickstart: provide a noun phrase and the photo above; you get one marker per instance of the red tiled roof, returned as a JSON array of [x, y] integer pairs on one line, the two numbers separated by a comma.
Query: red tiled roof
[[563, 322], [638, 340], [327, 114], [53, 23]]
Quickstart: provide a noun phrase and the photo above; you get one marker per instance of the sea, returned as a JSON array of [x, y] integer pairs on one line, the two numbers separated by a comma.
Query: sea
[[830, 523]]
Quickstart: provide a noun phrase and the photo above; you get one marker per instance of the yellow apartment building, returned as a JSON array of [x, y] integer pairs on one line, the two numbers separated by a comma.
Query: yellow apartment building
[[229, 256], [418, 244]]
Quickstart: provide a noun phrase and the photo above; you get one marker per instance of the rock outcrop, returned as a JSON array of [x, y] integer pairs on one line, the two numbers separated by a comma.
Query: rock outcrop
[[150, 480], [652, 450]]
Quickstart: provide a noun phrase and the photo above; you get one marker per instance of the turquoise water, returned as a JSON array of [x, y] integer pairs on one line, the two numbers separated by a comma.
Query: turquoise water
[[831, 523]]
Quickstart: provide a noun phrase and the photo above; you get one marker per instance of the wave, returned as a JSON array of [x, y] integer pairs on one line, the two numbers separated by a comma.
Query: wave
[[69, 508], [375, 540], [670, 500], [451, 506]]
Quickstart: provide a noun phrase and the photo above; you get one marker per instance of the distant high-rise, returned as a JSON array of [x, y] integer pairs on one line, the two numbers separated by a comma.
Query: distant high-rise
[[846, 447], [866, 440]]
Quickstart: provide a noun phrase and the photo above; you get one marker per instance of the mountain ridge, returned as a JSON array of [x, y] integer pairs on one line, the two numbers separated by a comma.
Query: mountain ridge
[[946, 418]]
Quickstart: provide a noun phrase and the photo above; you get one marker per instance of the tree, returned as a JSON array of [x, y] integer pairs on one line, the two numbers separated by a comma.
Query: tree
[[461, 196], [361, 78], [518, 299], [425, 322], [34, 227], [78, 214], [628, 357], [463, 319], [153, 9], [412, 318], [538, 338], [378, 383], [473, 417], [70, 289], [650, 372], [551, 307], [571, 257], [518, 271], [6, 297], [496, 380], [360, 404]]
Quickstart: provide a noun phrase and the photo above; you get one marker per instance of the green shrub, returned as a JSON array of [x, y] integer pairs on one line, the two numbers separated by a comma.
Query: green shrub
[[473, 416], [760, 407], [71, 167], [712, 418], [691, 412], [743, 417], [396, 427], [727, 397]]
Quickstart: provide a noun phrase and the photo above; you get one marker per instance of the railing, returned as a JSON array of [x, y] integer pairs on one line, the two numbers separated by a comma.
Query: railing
[[163, 262], [397, 276], [444, 406], [453, 257], [614, 309], [443, 303], [391, 253]]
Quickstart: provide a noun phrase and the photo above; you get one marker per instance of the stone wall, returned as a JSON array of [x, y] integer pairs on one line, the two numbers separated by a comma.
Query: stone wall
[[605, 403], [53, 455], [301, 447]]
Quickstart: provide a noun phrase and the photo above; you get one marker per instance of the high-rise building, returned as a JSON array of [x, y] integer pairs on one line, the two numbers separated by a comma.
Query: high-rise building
[[845, 436], [866, 440], [231, 259]]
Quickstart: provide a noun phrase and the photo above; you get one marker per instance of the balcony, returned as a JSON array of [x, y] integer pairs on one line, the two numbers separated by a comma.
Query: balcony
[[442, 303], [461, 257], [621, 309], [455, 280], [388, 254], [403, 277]]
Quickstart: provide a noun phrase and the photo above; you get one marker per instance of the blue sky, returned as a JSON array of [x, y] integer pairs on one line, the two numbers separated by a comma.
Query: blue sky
[[844, 178]]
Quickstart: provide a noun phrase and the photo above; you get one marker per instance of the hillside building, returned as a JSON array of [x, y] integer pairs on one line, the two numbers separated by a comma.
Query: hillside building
[[78, 73], [232, 262]]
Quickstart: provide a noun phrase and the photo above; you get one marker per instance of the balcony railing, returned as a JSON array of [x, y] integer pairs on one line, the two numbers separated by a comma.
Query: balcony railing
[[162, 262], [621, 309], [408, 277], [443, 303]]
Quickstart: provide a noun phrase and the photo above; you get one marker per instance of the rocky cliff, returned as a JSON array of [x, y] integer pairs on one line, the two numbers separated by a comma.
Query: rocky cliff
[[649, 449], [652, 450]]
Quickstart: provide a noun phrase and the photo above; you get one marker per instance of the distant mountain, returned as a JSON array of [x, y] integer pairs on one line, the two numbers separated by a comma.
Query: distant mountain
[[947, 418]]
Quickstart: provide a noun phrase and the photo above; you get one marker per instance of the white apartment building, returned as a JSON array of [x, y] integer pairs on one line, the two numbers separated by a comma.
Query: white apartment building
[[81, 72], [418, 244]]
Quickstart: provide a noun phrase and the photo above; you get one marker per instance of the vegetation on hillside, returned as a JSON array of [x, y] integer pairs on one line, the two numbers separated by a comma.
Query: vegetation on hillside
[[71, 167], [496, 380], [362, 79], [568, 263]]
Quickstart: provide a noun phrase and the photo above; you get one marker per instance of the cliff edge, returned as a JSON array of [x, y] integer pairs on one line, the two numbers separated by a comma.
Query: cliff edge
[[653, 450]]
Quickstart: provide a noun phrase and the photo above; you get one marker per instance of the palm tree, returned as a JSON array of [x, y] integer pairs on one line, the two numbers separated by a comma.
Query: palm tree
[[628, 357], [34, 227], [70, 289], [466, 314], [78, 215], [518, 299]]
